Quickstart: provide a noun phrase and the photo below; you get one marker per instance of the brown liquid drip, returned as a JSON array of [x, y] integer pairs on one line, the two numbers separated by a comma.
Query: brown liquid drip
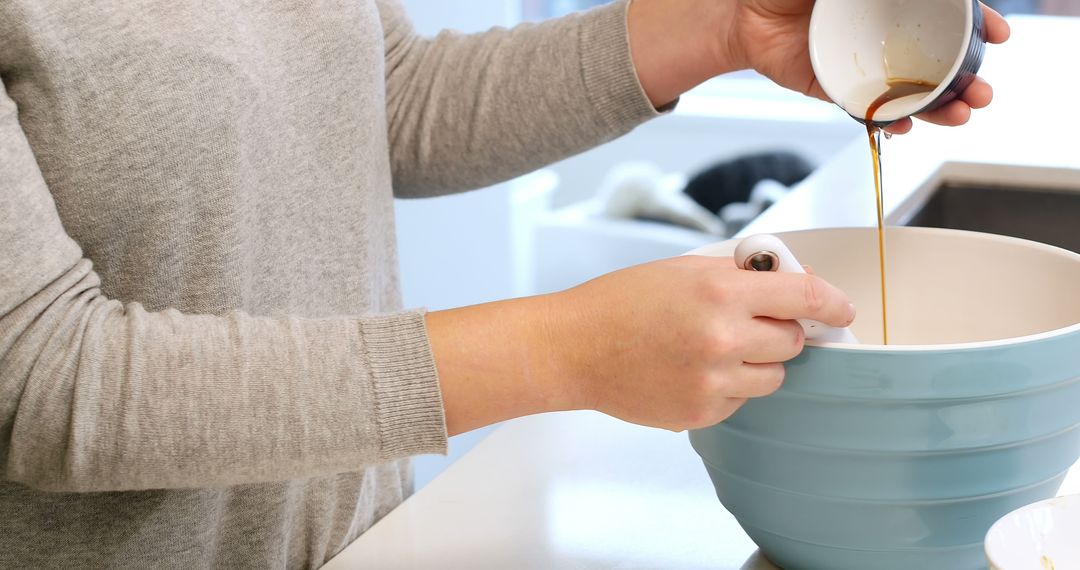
[[897, 88]]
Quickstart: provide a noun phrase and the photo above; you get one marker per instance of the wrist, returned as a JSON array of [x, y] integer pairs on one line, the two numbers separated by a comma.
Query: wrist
[[678, 44], [500, 361], [562, 329], [728, 49]]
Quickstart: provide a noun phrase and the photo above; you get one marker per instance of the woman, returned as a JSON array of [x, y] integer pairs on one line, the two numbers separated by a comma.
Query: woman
[[203, 358]]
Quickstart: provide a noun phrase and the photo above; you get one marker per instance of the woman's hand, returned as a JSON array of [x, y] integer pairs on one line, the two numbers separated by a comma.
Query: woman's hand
[[682, 343], [677, 344], [770, 36]]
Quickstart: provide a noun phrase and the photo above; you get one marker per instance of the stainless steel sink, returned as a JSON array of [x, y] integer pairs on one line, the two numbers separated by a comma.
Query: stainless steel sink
[[1048, 216]]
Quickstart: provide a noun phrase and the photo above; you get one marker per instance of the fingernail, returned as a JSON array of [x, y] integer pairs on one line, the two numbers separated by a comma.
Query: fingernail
[[851, 306]]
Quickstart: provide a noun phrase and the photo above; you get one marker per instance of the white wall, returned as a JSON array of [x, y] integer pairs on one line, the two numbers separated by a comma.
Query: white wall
[[431, 16]]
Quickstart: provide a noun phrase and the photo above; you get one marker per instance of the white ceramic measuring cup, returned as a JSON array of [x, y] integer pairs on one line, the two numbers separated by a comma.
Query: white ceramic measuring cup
[[858, 46]]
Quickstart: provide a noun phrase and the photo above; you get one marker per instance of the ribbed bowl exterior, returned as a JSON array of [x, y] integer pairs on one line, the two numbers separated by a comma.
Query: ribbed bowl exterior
[[898, 459]]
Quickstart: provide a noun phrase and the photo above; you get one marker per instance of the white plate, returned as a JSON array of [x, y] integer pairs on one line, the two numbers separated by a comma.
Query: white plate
[[1041, 536]]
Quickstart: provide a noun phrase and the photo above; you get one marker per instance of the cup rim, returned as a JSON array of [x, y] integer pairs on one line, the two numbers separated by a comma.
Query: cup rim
[[921, 105]]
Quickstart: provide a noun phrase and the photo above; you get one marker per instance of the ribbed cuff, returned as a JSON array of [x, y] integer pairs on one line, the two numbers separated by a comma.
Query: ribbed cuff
[[408, 401], [607, 68]]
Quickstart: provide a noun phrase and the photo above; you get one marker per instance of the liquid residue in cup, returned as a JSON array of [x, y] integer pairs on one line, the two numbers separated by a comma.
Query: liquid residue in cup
[[897, 88]]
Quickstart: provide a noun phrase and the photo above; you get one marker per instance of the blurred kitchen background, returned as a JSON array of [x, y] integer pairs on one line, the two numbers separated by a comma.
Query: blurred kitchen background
[[548, 230]]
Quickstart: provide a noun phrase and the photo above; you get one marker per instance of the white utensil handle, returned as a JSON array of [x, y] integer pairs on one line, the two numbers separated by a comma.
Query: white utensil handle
[[766, 252]]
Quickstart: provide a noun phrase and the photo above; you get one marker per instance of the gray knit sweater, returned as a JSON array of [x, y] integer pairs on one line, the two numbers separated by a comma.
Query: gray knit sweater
[[203, 357]]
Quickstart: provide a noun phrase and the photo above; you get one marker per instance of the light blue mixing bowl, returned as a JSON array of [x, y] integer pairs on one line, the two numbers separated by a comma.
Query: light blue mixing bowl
[[903, 456]]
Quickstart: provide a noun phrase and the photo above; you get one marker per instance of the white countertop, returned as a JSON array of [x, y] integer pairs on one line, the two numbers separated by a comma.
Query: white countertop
[[569, 491], [581, 490]]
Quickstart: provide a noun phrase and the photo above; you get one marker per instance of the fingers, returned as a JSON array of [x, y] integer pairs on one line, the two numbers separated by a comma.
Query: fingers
[[952, 114], [789, 296], [997, 29], [767, 341], [723, 410], [979, 94], [815, 90], [757, 380], [901, 127]]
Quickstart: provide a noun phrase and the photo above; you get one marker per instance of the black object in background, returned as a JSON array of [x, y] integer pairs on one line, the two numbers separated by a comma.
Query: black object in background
[[732, 181]]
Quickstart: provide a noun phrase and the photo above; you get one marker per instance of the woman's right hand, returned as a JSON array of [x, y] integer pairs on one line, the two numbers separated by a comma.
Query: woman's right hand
[[676, 344], [682, 343]]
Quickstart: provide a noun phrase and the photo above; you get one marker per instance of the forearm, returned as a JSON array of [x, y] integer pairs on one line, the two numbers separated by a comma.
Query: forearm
[[96, 395], [678, 343], [678, 44], [466, 111], [500, 361], [105, 397]]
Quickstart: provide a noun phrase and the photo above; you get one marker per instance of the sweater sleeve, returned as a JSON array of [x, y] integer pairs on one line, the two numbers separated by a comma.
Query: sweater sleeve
[[96, 395], [466, 111]]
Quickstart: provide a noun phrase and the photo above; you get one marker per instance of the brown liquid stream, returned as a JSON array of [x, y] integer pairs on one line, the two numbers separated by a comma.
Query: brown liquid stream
[[897, 88]]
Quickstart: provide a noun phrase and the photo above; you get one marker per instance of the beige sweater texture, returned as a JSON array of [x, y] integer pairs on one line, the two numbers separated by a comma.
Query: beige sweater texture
[[204, 361]]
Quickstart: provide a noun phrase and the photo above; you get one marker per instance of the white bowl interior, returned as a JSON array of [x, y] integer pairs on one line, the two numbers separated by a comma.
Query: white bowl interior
[[857, 46], [944, 286], [1037, 537]]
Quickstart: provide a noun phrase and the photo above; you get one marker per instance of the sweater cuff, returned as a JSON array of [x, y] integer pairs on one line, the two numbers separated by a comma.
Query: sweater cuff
[[607, 67], [408, 401]]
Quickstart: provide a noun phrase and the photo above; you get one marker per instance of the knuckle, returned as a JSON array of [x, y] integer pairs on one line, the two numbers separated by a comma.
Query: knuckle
[[815, 294], [723, 383], [717, 412], [775, 379], [800, 339], [675, 424], [721, 287], [697, 417], [722, 341], [717, 291], [694, 390], [701, 384], [733, 405], [716, 341]]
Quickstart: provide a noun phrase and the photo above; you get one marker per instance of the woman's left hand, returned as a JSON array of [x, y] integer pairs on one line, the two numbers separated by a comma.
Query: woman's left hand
[[772, 36], [769, 36]]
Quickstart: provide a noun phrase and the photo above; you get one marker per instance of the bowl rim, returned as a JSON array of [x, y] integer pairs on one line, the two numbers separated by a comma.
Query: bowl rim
[[955, 347], [929, 348], [952, 347]]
